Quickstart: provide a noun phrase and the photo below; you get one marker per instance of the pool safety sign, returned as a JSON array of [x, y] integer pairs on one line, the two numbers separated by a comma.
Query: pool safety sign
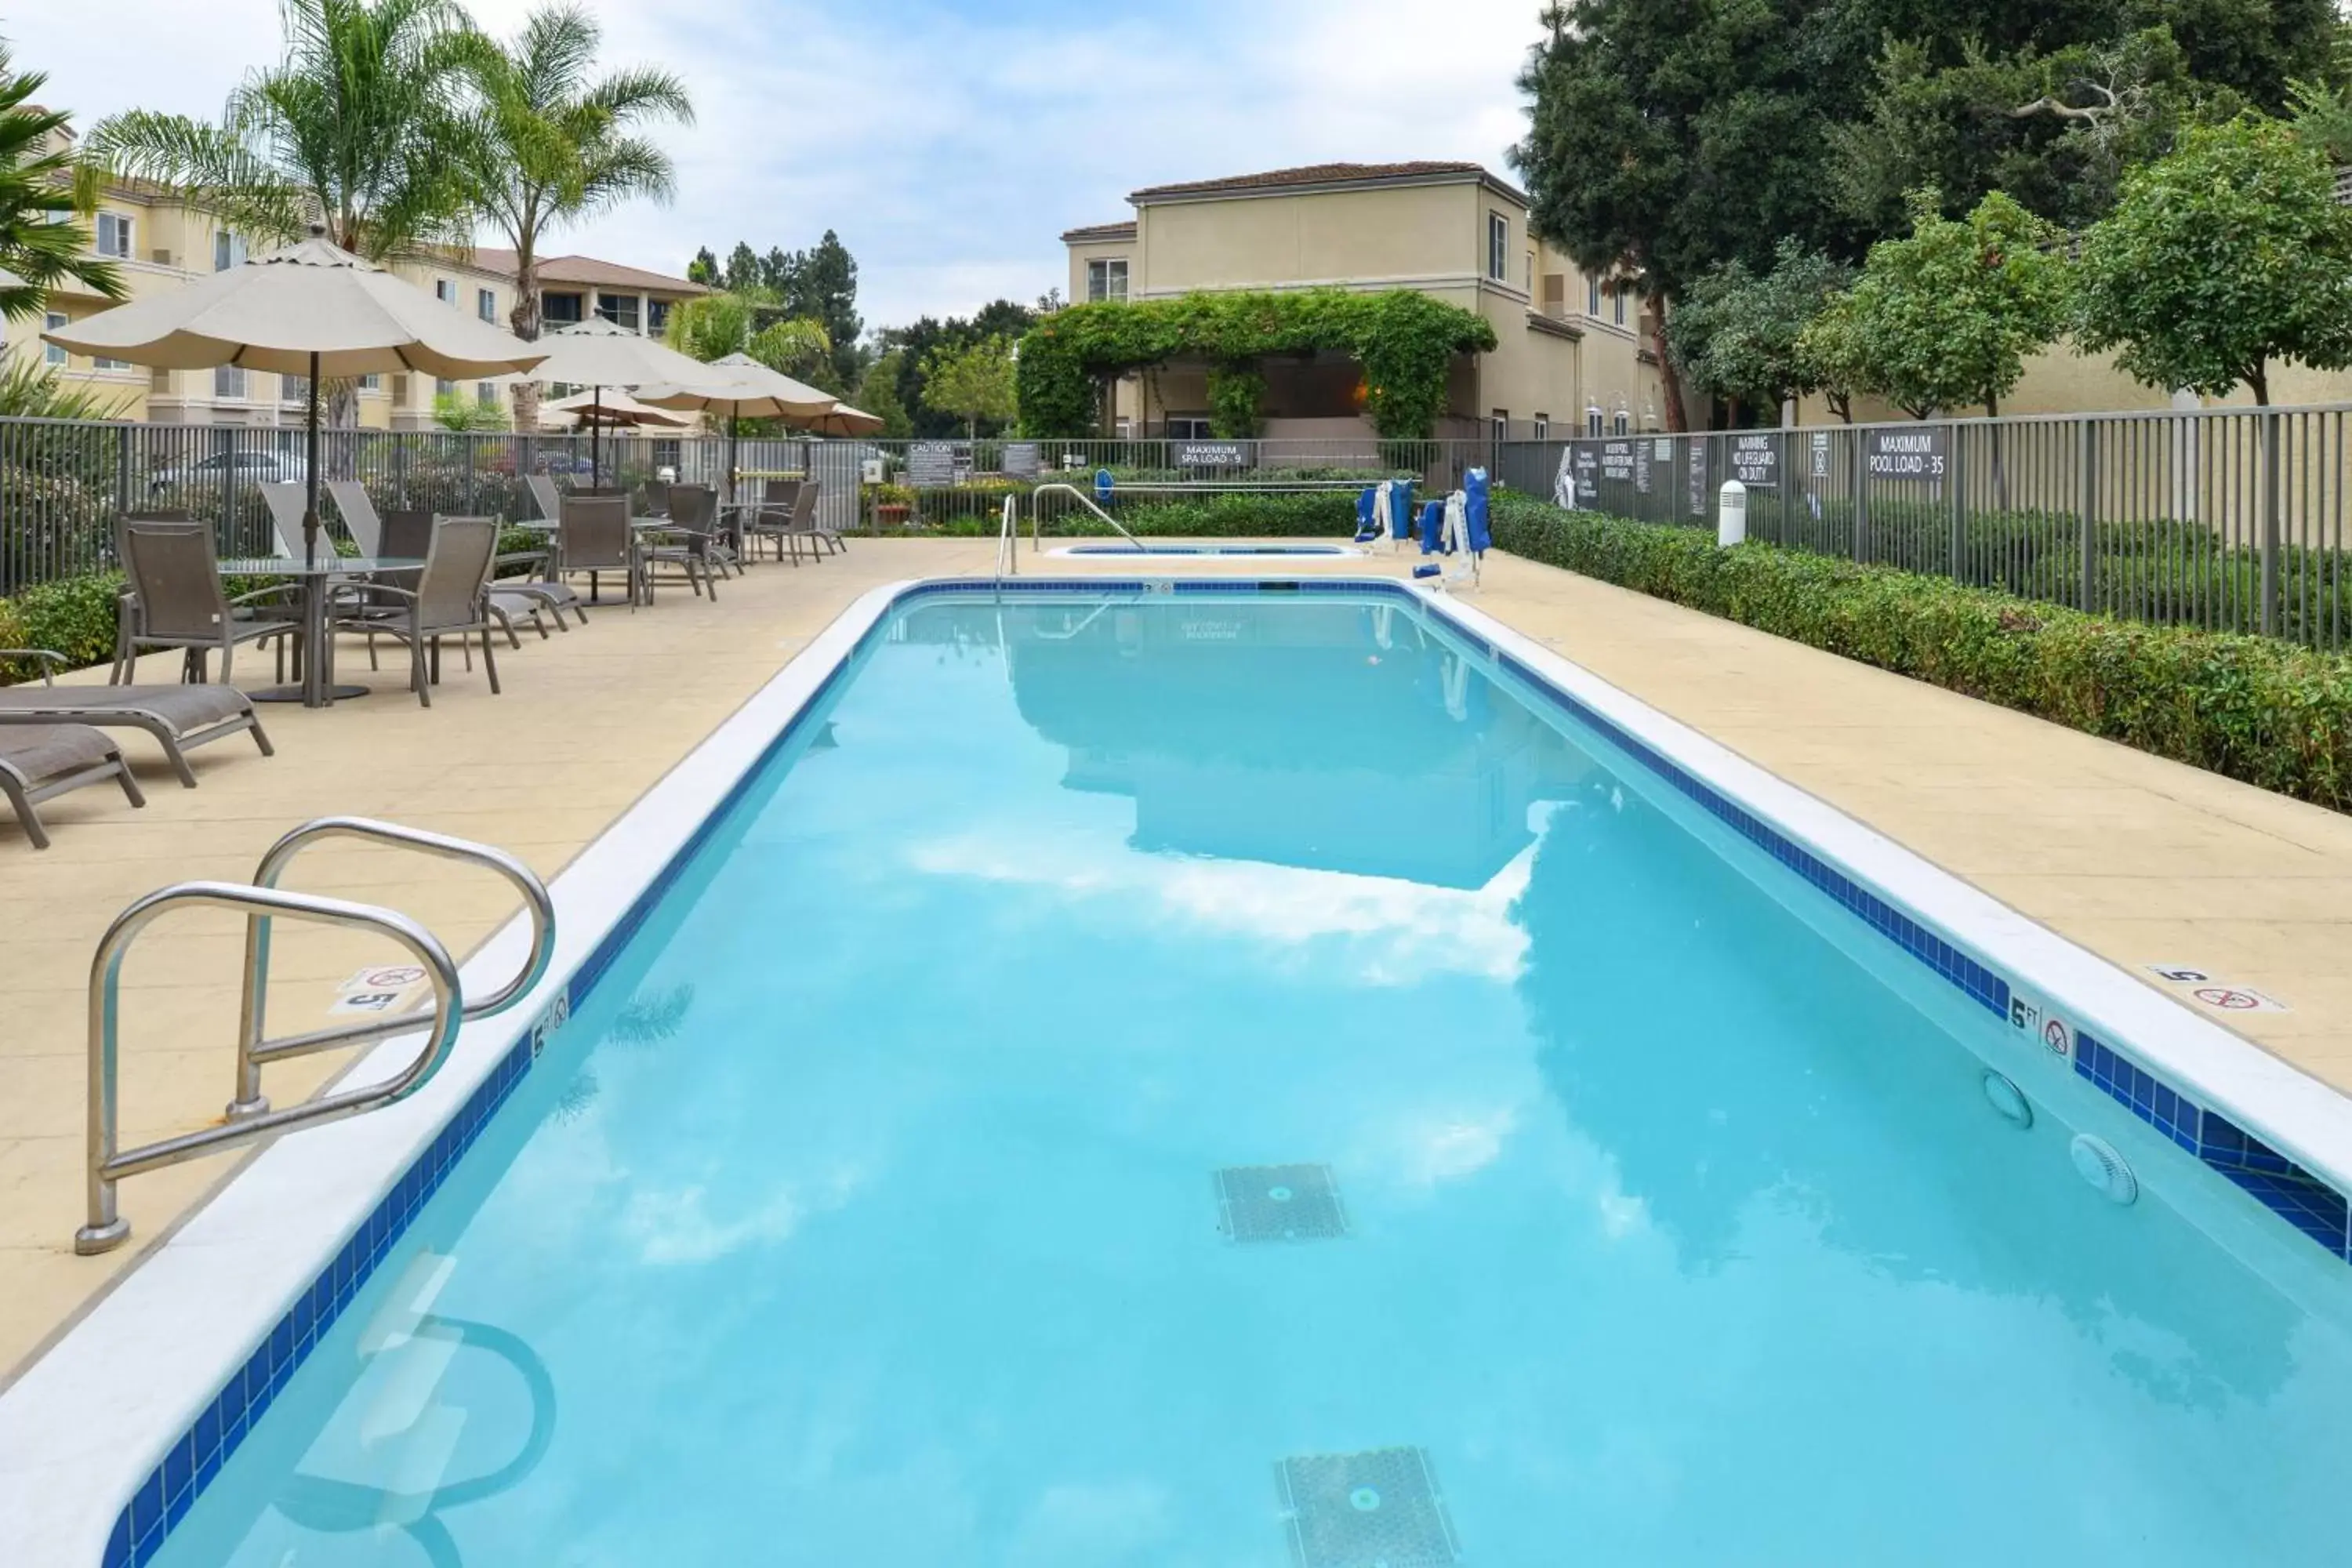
[[1756, 460], [1211, 455], [1576, 485], [2030, 1016], [377, 989], [2206, 989], [1701, 495], [1641, 467], [1905, 453], [1617, 461]]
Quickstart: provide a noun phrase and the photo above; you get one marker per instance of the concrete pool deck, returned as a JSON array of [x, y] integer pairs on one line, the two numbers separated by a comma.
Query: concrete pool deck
[[2141, 860]]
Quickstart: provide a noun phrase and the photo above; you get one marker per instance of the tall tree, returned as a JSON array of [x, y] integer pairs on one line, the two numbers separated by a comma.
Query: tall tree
[[973, 381], [355, 127], [877, 395], [820, 283], [1947, 315], [917, 343], [2227, 257], [46, 199], [547, 146], [743, 274], [1738, 334], [703, 268]]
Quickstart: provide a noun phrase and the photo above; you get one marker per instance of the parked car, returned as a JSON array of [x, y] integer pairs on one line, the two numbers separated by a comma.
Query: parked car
[[250, 468]]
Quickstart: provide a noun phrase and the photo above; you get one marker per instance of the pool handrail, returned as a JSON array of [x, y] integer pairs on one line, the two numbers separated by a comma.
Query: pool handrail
[[254, 1052], [105, 1229]]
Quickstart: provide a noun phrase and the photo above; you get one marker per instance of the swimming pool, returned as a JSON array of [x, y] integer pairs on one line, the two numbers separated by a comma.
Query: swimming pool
[[1225, 1078], [1300, 551]]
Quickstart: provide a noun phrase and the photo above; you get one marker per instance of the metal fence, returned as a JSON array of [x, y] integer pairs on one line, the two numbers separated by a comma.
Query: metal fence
[[2230, 519], [64, 484]]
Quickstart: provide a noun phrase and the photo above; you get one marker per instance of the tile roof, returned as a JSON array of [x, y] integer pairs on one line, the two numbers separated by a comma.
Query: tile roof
[[1100, 231], [586, 270], [1322, 174]]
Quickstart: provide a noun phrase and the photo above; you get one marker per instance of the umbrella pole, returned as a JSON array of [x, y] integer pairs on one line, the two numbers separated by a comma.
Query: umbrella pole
[[595, 431], [311, 466]]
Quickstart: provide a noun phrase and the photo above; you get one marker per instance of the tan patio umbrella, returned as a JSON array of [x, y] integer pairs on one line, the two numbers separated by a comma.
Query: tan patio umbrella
[[732, 392], [597, 354], [313, 309], [606, 408], [843, 421]]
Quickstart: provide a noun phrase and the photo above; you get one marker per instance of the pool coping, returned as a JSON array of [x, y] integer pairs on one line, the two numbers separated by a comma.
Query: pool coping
[[104, 1440]]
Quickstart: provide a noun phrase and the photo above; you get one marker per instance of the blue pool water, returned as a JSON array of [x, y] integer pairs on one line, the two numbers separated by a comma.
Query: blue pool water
[[872, 1211], [1148, 547]]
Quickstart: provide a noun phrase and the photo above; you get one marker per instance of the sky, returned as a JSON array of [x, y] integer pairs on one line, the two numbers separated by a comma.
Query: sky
[[948, 144]]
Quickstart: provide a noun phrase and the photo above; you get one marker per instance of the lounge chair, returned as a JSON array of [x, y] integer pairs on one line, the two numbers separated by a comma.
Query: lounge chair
[[544, 495], [451, 599], [359, 514], [690, 544], [179, 718], [287, 503], [174, 579], [38, 762]]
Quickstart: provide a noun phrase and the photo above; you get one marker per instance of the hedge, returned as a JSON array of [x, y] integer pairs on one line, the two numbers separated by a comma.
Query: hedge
[[1305, 515], [2253, 709]]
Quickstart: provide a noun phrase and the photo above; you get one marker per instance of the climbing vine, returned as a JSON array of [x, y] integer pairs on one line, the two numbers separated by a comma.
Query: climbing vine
[[1236, 399], [1404, 341]]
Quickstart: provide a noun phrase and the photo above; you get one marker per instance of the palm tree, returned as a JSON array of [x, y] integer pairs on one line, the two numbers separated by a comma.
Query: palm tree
[[356, 127], [45, 194], [549, 147]]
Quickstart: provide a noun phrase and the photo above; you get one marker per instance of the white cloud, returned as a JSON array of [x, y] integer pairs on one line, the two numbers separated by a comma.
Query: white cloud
[[948, 144], [675, 1225], [1393, 933]]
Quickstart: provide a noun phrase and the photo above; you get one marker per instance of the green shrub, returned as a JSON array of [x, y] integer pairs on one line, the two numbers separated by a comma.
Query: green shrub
[[2253, 709], [72, 615], [1228, 516]]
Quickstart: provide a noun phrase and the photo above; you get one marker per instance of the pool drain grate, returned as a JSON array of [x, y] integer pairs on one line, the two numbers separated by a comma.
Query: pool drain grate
[[1279, 1203], [1377, 1510]]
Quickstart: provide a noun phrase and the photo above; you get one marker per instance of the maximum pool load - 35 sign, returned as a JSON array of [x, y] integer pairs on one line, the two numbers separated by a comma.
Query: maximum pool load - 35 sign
[[1617, 461], [1756, 460], [1905, 453], [1700, 497]]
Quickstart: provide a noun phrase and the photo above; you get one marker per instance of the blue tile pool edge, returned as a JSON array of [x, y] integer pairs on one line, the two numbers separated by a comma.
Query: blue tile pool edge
[[2302, 1199]]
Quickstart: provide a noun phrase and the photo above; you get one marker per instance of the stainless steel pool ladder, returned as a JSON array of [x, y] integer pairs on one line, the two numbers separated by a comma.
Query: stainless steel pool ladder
[[249, 1116]]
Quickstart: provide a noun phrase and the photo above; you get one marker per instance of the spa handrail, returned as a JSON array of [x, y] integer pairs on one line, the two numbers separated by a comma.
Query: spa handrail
[[253, 1052], [1085, 501]]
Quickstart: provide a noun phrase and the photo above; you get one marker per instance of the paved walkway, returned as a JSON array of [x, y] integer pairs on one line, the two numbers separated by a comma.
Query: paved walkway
[[2140, 859]]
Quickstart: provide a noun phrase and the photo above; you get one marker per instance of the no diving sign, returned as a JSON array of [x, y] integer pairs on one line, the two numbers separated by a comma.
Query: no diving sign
[[2207, 989], [377, 989]]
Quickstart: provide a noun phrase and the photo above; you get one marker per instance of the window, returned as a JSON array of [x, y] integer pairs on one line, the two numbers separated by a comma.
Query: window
[[1543, 427], [370, 383], [560, 310], [228, 251], [444, 291], [1188, 427], [110, 365], [656, 317], [1619, 424], [228, 381], [486, 304], [400, 390], [444, 387], [1107, 280], [1532, 273], [55, 322], [1592, 298], [1592, 421], [1501, 422], [486, 393], [620, 310], [293, 389], [1617, 307], [1498, 246], [114, 235]]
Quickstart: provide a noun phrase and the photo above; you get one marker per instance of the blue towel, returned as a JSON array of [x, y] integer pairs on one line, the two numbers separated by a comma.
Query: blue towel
[[1474, 521], [1401, 511], [1366, 528], [1102, 487]]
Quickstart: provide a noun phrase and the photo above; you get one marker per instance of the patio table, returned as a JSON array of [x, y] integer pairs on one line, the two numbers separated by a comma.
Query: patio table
[[316, 579]]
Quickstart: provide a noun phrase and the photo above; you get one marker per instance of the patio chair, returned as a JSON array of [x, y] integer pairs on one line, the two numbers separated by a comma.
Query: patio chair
[[801, 523], [451, 599], [772, 519], [689, 543], [126, 603], [653, 497], [817, 527], [593, 536], [38, 762], [179, 718], [359, 514], [174, 577]]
